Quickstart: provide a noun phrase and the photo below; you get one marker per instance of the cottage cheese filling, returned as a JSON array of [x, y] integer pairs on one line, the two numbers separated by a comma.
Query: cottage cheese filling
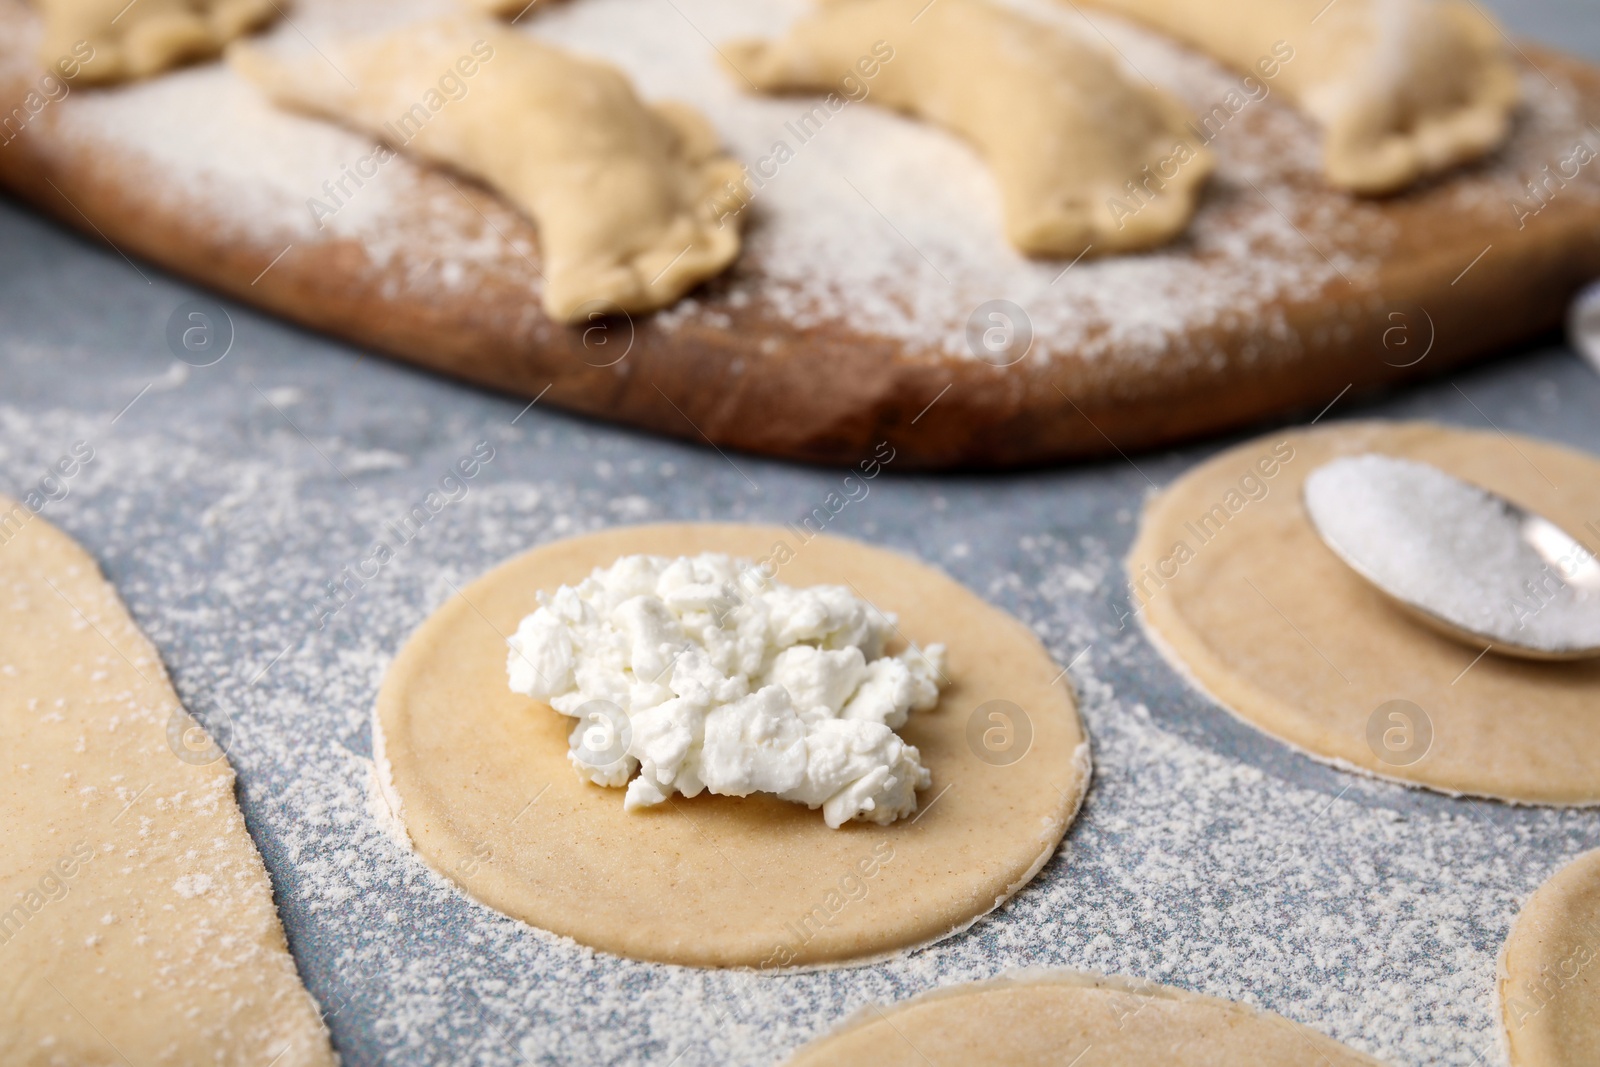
[[702, 673]]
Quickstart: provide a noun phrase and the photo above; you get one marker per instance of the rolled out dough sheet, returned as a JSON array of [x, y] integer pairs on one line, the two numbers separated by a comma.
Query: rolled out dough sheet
[[136, 919], [489, 799]]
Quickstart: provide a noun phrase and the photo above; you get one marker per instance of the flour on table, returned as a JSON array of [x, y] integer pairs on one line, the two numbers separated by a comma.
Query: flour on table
[[1353, 906]]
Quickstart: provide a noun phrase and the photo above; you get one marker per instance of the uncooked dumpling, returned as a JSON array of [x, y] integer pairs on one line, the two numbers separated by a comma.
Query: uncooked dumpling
[[114, 40], [137, 923], [1064, 131], [1403, 88], [625, 194]]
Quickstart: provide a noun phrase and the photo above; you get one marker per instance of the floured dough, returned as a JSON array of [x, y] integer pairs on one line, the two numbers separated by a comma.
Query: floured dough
[[1550, 972], [489, 799], [626, 195], [1244, 598], [136, 919], [1064, 131], [1403, 88], [1052, 1018], [123, 40]]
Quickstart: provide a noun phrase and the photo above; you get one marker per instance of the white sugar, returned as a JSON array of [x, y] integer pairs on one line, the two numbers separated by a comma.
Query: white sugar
[[1456, 551]]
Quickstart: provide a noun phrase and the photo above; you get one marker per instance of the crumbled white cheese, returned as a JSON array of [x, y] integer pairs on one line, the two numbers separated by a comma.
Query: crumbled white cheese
[[703, 673]]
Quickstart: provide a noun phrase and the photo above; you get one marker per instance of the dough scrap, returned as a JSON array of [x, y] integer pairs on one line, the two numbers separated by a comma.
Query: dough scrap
[[1402, 88], [145, 37], [480, 777], [626, 195], [1550, 972], [1268, 621], [1049, 1018], [1063, 129], [133, 903]]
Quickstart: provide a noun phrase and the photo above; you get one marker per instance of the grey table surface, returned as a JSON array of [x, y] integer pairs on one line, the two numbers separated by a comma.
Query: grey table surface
[[223, 499]]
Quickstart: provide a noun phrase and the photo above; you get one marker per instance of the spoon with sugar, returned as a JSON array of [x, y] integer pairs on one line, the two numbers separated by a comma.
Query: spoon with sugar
[[1465, 561]]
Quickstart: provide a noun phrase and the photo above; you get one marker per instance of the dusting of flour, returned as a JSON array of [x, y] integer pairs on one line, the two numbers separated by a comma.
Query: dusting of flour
[[879, 224], [1206, 857]]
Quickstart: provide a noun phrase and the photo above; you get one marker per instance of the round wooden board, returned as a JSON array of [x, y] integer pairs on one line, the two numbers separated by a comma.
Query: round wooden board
[[1419, 283]]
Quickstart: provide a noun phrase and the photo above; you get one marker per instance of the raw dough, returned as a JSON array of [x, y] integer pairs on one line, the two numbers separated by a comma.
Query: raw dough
[[626, 195], [1402, 88], [1063, 129], [1053, 1018], [134, 40], [1215, 332], [136, 919], [1312, 653], [489, 799], [1550, 972]]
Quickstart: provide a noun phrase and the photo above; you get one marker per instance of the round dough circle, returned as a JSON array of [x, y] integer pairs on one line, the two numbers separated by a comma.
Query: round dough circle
[[1550, 972], [724, 881], [1050, 1018], [1266, 619]]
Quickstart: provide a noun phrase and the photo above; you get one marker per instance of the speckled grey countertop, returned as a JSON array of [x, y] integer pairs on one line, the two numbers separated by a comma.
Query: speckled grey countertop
[[225, 498]]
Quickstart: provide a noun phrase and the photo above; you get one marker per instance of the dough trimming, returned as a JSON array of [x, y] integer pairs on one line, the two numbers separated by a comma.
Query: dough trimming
[[136, 918]]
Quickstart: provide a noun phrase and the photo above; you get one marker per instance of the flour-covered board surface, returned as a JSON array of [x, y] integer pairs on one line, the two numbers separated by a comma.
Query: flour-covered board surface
[[876, 289], [223, 501]]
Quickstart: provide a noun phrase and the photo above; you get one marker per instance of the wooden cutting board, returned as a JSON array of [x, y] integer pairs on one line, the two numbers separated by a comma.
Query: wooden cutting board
[[858, 312]]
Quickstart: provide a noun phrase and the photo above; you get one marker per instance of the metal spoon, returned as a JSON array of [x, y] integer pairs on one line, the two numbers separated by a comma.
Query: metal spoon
[[1583, 324], [1463, 560]]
